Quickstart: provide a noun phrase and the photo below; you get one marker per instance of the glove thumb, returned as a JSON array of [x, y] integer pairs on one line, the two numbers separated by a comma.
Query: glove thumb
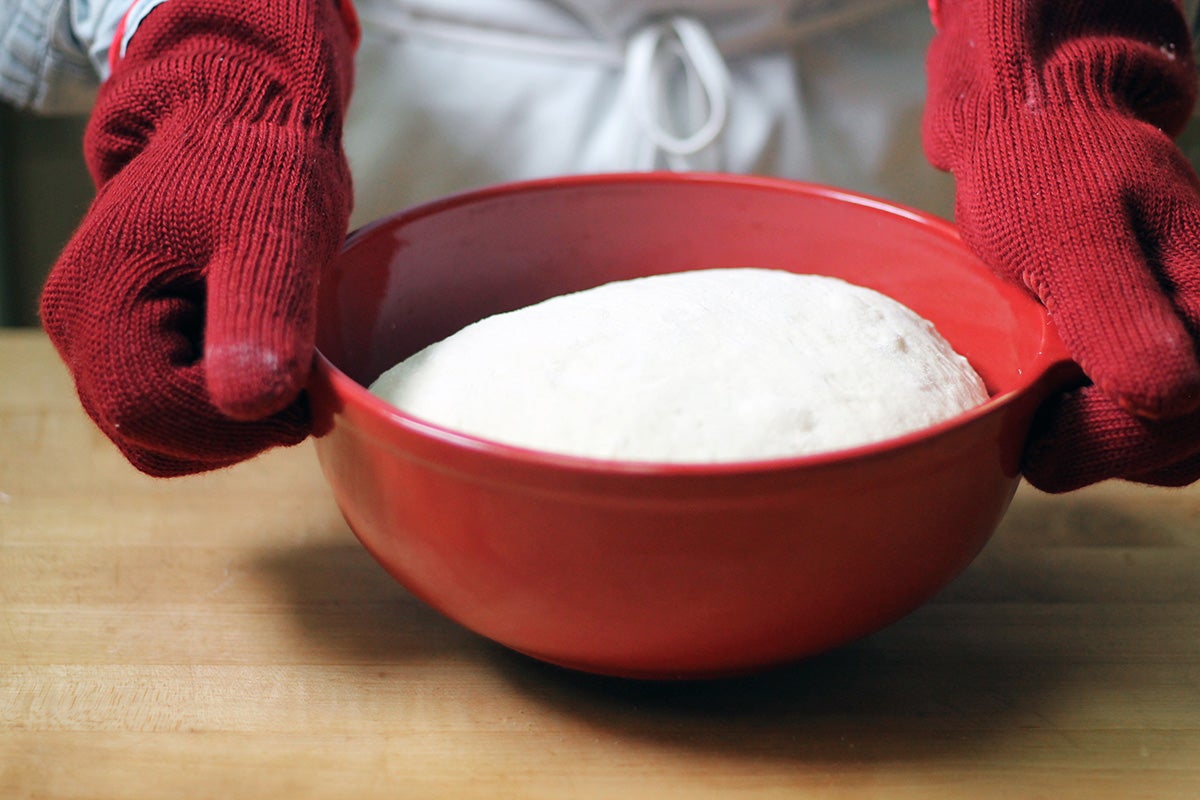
[[259, 332]]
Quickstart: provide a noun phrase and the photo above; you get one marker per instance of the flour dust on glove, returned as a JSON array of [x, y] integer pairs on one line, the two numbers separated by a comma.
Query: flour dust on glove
[[184, 303], [1056, 119]]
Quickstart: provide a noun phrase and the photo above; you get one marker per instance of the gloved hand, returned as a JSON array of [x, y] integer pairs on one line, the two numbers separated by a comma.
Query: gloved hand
[[184, 303], [1056, 119]]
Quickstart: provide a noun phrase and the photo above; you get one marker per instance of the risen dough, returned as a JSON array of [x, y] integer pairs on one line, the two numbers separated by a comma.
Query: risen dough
[[704, 366]]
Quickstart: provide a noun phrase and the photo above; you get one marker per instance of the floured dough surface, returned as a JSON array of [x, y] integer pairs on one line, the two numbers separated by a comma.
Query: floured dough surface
[[712, 365]]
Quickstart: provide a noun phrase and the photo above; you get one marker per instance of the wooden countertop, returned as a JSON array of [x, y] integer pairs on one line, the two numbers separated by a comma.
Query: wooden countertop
[[225, 636]]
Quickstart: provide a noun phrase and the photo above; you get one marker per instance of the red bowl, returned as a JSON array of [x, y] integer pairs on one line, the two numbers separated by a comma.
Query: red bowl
[[652, 570]]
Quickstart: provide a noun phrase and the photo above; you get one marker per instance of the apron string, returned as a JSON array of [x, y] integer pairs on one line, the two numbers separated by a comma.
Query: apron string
[[654, 53]]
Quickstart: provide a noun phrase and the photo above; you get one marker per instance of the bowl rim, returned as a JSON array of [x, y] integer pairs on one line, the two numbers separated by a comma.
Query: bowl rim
[[1051, 370]]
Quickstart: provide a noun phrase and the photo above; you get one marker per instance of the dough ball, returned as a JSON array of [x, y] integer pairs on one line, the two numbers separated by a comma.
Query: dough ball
[[712, 365]]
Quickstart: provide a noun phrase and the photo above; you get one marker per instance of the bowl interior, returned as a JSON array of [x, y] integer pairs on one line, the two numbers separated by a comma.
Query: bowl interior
[[414, 278]]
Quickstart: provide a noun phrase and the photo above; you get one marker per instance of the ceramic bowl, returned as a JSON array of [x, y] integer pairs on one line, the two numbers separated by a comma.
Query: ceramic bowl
[[651, 570]]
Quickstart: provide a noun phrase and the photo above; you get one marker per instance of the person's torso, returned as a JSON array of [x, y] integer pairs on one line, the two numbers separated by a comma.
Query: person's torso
[[452, 94]]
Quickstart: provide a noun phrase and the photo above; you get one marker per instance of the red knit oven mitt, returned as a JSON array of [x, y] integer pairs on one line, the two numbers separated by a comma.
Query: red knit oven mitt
[[184, 303], [1056, 118]]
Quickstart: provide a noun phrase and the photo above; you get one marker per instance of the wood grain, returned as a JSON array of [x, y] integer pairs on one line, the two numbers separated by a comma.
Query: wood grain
[[225, 636]]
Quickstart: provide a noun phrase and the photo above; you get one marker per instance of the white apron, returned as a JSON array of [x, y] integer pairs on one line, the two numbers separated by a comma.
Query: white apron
[[453, 94]]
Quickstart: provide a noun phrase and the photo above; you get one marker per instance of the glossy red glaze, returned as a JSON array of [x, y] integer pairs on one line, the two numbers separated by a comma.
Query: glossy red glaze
[[652, 570]]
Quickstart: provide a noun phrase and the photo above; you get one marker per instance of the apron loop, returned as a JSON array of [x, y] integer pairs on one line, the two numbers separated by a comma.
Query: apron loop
[[677, 53]]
